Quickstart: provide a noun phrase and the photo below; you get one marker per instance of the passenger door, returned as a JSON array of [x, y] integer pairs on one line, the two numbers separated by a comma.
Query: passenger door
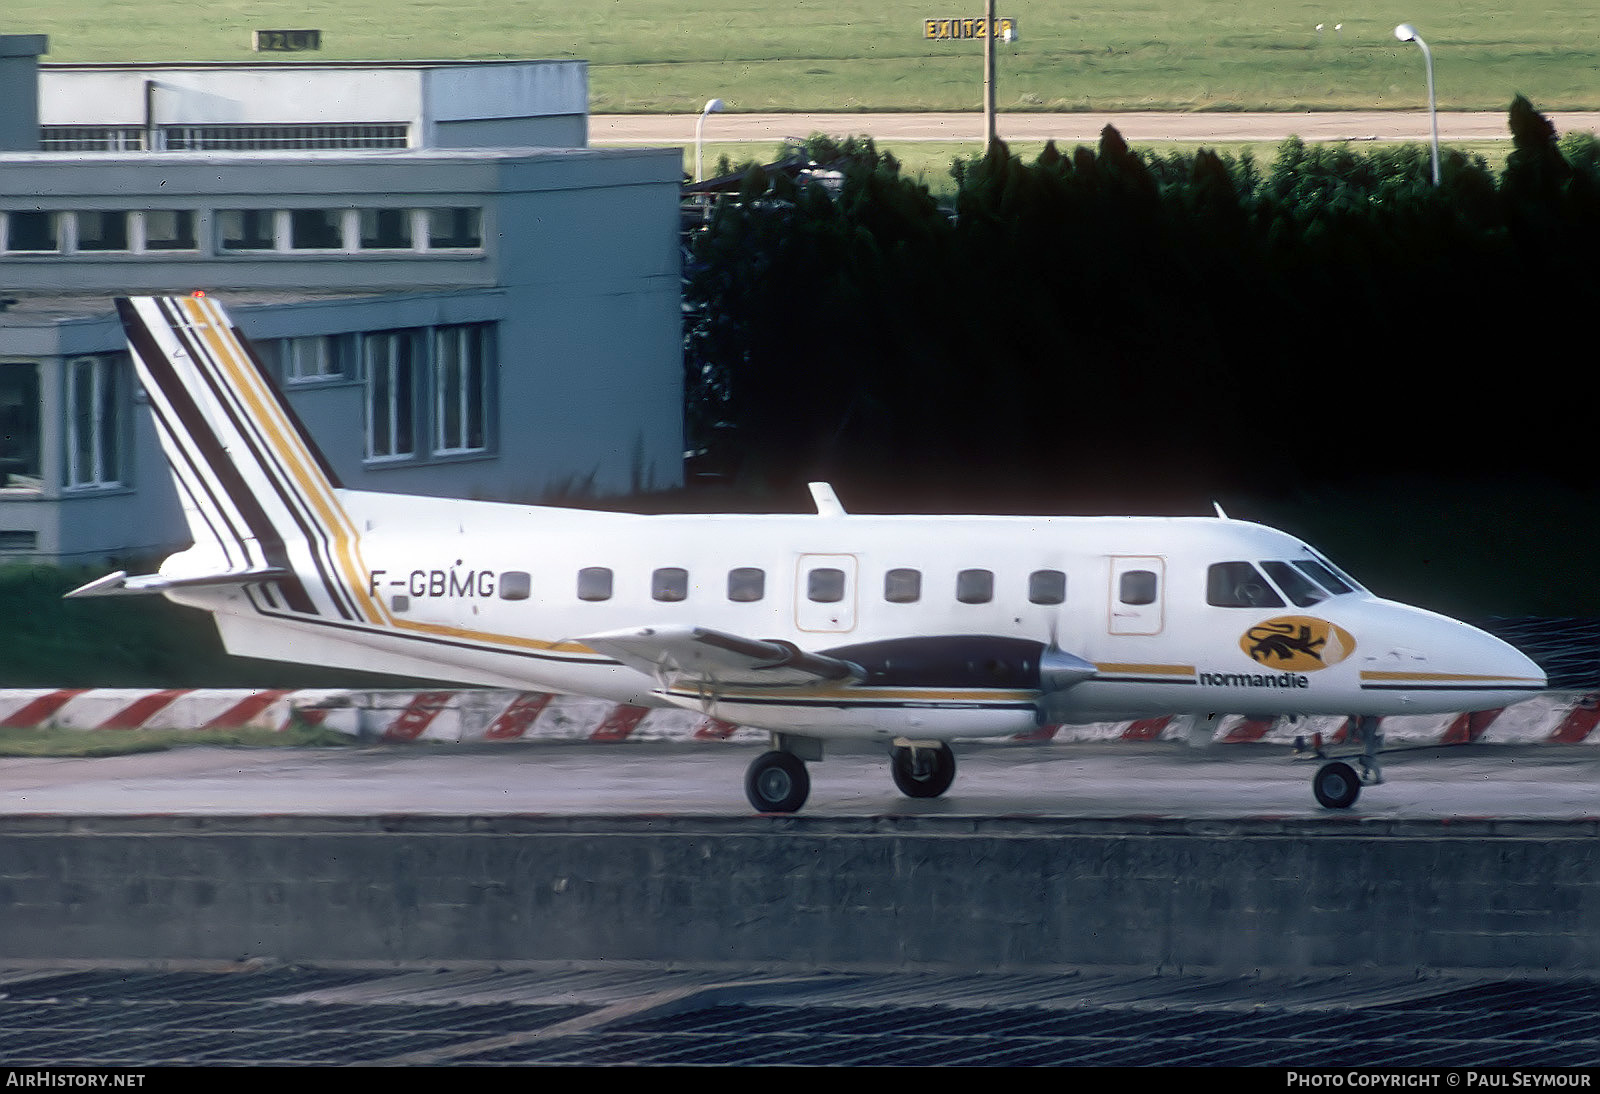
[[1137, 594]]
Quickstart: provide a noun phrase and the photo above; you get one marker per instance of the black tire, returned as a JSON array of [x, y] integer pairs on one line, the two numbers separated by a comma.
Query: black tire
[[1336, 786], [776, 782], [931, 783]]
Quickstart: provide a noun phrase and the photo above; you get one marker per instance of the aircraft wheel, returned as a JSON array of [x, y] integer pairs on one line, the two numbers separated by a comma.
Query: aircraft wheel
[[938, 771], [776, 782], [1336, 786]]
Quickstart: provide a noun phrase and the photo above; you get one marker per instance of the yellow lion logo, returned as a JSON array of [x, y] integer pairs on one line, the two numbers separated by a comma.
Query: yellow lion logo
[[1297, 643]]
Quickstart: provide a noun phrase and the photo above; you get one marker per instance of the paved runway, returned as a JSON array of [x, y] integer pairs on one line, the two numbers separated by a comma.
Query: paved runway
[[706, 778], [58, 1013]]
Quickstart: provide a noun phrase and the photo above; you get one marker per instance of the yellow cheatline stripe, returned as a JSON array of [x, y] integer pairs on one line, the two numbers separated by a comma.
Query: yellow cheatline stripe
[[854, 693], [1463, 677], [442, 631], [1161, 670], [205, 317]]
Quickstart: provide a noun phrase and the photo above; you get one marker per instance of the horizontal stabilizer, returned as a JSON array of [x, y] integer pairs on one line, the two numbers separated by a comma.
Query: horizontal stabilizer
[[683, 654], [120, 584]]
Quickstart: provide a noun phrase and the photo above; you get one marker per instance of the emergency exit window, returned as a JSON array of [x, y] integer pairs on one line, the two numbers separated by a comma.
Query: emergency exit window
[[1138, 587]]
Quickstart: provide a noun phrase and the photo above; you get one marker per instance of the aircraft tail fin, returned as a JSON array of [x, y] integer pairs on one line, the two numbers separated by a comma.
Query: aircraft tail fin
[[261, 502]]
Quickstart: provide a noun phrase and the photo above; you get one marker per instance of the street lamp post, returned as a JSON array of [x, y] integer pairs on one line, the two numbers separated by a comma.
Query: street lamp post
[[988, 77], [1408, 33], [713, 106]]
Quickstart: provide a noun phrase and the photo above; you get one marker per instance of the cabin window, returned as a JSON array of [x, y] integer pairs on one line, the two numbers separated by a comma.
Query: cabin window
[[594, 583], [1239, 585], [515, 585], [902, 586], [1047, 587], [825, 585], [747, 584], [1299, 588], [975, 586], [670, 583], [1138, 587]]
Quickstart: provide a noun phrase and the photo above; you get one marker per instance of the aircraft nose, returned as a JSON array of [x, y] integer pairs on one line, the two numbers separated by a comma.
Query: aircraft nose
[[1441, 662]]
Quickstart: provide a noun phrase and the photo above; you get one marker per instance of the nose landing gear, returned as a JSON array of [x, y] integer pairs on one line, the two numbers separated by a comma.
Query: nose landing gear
[[1336, 785]]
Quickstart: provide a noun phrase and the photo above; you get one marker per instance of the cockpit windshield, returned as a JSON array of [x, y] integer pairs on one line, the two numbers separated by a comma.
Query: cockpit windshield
[[1239, 585], [1329, 576], [1296, 585], [1304, 581]]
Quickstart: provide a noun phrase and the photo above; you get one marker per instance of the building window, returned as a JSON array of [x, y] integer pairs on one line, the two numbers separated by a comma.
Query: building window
[[165, 230], [455, 228], [19, 426], [200, 138], [317, 357], [247, 229], [94, 426], [460, 357], [390, 361], [385, 229], [316, 230], [91, 138], [428, 389], [100, 231], [33, 231]]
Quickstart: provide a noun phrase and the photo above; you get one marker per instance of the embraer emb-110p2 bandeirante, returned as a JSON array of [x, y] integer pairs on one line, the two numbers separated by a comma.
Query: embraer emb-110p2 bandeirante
[[912, 630]]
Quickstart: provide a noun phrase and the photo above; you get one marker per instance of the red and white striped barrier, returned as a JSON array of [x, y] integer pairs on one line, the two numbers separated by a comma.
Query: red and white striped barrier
[[487, 715]]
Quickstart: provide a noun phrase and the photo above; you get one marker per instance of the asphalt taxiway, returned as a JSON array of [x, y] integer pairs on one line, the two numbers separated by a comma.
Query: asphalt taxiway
[[1148, 779]]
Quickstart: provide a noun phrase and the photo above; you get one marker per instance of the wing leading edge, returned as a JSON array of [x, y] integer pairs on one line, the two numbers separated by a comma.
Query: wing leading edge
[[682, 654]]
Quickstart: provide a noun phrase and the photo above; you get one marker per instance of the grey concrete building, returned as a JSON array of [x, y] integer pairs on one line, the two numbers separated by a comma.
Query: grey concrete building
[[450, 314]]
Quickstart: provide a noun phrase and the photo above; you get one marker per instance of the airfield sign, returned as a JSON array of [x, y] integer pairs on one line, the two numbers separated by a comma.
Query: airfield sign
[[958, 29]]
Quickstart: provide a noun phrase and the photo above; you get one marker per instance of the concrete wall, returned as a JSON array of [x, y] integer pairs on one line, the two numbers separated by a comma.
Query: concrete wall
[[19, 90], [541, 103], [957, 893]]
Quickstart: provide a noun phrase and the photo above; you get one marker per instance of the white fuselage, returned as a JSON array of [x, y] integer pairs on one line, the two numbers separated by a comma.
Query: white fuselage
[[499, 595]]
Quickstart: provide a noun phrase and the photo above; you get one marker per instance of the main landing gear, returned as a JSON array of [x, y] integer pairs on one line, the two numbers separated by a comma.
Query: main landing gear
[[922, 771], [1336, 784], [777, 782]]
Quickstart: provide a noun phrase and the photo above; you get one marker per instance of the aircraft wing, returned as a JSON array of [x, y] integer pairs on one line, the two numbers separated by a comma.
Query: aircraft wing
[[678, 655], [120, 584]]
